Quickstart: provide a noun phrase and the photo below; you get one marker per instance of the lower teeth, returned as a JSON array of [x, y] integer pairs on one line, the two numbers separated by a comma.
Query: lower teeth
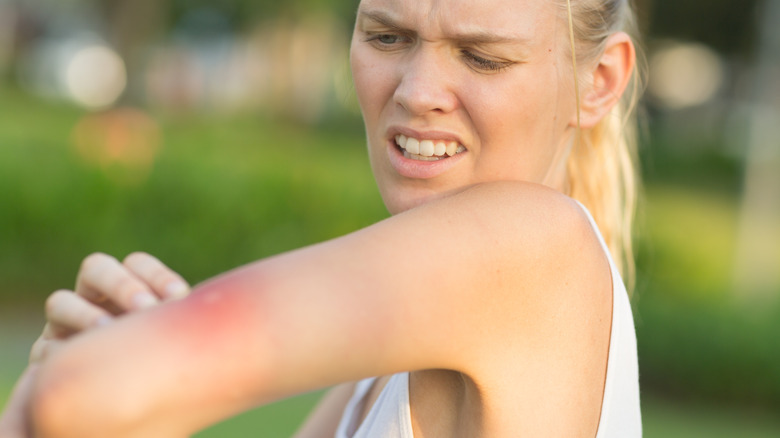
[[421, 157]]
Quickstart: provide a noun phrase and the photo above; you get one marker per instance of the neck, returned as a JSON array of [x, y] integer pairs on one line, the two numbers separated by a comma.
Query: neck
[[557, 176]]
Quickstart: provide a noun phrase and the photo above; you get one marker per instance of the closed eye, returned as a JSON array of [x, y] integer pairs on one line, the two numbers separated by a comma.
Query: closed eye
[[483, 64]]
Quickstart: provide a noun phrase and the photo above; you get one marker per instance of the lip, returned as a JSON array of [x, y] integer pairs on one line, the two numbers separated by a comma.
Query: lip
[[420, 169]]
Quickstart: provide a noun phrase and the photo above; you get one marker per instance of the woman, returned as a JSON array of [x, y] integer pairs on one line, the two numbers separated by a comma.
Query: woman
[[488, 301]]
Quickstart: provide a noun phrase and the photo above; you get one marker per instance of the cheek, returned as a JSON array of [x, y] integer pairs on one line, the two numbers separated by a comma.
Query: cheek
[[518, 115], [519, 124], [374, 88], [373, 83]]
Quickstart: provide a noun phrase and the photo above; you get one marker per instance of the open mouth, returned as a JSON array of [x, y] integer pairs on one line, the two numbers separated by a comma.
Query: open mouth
[[427, 150]]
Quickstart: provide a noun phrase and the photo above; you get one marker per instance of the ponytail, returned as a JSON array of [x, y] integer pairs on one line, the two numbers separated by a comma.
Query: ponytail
[[601, 166], [603, 176]]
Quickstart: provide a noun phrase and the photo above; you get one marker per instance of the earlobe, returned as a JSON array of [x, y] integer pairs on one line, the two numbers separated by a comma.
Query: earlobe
[[609, 79]]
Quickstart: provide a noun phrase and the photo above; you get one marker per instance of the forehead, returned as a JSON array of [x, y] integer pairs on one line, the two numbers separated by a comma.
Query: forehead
[[521, 19]]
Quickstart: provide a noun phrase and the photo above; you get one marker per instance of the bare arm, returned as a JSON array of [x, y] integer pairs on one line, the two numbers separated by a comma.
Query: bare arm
[[416, 291]]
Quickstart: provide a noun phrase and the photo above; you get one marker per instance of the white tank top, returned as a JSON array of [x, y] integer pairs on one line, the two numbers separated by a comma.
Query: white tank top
[[390, 416]]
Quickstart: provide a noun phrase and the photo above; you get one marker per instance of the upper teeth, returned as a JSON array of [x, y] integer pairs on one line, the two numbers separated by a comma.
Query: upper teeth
[[428, 148]]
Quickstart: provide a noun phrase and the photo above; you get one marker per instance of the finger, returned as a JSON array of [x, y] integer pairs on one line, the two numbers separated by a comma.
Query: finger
[[166, 283], [103, 278], [68, 313], [38, 350], [43, 347]]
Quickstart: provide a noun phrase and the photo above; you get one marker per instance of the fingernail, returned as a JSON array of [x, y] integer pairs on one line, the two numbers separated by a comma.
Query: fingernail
[[104, 320], [176, 290], [143, 300]]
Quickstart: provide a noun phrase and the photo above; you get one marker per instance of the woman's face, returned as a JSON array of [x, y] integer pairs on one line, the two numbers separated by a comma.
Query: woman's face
[[459, 92]]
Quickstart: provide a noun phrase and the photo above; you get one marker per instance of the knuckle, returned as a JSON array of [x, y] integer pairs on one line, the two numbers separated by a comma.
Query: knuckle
[[85, 316], [56, 299], [162, 277], [135, 258], [94, 261], [126, 287]]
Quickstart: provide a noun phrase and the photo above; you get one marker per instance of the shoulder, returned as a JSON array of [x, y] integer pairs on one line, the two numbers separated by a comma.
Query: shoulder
[[545, 223], [530, 237], [550, 329], [553, 235], [558, 277]]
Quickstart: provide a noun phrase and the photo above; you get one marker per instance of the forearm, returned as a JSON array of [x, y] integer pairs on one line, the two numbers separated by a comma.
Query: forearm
[[243, 339], [156, 373]]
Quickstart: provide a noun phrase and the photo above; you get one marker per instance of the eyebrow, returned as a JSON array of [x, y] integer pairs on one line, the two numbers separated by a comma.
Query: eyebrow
[[379, 17], [476, 36]]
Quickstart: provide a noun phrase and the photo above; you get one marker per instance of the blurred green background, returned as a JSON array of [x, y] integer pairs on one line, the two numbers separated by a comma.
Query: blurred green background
[[212, 134]]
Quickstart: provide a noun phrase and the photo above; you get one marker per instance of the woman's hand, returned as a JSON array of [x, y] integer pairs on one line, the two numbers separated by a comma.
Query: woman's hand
[[105, 289]]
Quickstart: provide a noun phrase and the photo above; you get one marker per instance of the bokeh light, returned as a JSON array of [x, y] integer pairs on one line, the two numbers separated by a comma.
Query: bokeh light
[[684, 75], [123, 142], [95, 77]]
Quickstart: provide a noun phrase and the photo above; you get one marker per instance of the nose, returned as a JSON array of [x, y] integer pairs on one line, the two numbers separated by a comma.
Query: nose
[[425, 84]]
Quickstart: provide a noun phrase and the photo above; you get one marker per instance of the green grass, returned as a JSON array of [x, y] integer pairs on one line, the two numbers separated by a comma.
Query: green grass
[[277, 420], [663, 418]]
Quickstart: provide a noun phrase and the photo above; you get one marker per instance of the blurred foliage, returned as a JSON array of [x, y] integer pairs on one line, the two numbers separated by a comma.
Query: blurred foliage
[[241, 14], [220, 193], [662, 19], [727, 26], [704, 350], [699, 338], [665, 418]]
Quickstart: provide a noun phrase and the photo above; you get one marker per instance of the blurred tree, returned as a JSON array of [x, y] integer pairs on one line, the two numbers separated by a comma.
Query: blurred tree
[[758, 262], [245, 13], [133, 26], [727, 26]]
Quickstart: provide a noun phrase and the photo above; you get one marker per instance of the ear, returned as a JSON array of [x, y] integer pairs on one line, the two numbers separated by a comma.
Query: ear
[[609, 80]]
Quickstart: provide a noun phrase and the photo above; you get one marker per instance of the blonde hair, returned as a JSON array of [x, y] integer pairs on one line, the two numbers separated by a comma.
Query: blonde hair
[[601, 165]]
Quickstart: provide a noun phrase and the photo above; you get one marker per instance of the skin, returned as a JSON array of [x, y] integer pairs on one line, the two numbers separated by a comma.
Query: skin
[[488, 304]]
